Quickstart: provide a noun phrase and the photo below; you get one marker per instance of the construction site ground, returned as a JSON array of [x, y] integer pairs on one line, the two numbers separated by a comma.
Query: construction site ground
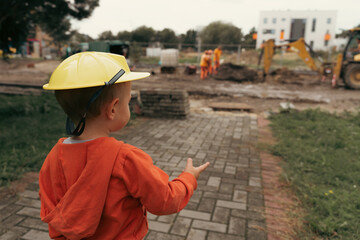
[[302, 88]]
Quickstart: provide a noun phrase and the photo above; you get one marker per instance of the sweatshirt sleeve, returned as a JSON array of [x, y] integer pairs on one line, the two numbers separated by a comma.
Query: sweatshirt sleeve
[[151, 185]]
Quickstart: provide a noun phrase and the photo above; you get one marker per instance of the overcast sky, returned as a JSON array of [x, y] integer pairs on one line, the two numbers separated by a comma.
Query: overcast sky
[[182, 15]]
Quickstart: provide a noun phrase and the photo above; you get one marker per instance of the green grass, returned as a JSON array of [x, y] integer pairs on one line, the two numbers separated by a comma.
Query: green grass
[[322, 163], [29, 127]]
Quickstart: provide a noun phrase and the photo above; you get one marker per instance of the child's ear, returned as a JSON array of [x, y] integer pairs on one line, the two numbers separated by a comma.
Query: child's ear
[[111, 108]]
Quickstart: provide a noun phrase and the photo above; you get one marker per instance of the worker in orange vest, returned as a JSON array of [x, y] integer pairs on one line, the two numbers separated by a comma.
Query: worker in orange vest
[[210, 67], [217, 54], [204, 64]]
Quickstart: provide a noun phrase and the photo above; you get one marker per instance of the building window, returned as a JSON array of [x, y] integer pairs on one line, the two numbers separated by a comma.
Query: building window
[[274, 20], [328, 20], [283, 19], [326, 43], [265, 20], [268, 31], [313, 26]]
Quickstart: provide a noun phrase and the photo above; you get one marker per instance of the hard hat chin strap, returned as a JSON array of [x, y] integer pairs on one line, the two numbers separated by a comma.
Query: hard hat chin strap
[[70, 129]]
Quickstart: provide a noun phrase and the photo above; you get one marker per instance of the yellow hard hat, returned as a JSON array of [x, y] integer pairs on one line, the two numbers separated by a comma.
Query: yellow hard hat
[[90, 69]]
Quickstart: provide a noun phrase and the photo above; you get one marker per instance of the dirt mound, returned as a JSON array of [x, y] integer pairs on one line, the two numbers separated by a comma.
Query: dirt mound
[[238, 73], [286, 76]]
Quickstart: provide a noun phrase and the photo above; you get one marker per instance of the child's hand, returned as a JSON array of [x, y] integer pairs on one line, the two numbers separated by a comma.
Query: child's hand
[[195, 170]]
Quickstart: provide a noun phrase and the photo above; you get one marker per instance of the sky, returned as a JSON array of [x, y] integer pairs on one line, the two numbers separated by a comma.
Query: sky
[[182, 15]]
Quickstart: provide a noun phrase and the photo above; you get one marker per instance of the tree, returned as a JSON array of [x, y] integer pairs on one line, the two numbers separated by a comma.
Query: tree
[[107, 35], [168, 37], [143, 34], [221, 33], [189, 37], [124, 36], [248, 39], [19, 17]]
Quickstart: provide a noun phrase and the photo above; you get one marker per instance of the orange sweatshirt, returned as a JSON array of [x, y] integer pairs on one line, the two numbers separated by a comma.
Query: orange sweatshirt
[[101, 189]]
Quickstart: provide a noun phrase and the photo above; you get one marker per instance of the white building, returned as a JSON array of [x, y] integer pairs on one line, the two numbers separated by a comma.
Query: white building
[[312, 25]]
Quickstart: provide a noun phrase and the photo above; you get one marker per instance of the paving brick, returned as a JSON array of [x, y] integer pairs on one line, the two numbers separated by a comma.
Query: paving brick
[[206, 205], [34, 234], [219, 236], [221, 215], [229, 204], [214, 181], [217, 195], [227, 188], [191, 206], [158, 226], [196, 234], [9, 210], [230, 169], [29, 194], [195, 214], [162, 236], [29, 202], [240, 196], [11, 221], [34, 223], [181, 226], [237, 226], [31, 212], [210, 226], [167, 218]]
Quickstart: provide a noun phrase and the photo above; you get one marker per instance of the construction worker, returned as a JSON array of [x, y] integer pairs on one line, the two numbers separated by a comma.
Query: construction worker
[[204, 64], [210, 67], [217, 55]]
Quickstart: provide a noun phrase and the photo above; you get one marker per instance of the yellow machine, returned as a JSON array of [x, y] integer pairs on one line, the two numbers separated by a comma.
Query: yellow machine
[[300, 47], [347, 66]]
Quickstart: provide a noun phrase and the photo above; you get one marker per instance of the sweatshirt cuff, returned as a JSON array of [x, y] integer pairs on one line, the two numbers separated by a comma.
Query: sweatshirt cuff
[[188, 177]]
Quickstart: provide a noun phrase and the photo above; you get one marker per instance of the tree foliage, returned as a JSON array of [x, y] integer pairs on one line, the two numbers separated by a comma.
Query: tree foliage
[[19, 17], [248, 40], [221, 33], [107, 35], [124, 36], [167, 36], [189, 37], [143, 34]]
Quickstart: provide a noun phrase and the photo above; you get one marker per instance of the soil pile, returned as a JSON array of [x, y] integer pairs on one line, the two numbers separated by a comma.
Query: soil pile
[[286, 76], [238, 73]]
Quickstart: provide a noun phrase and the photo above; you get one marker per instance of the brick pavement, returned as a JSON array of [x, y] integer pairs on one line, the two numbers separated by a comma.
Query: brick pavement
[[228, 203]]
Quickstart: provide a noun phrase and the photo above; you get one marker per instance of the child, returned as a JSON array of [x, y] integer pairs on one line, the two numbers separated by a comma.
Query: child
[[91, 185]]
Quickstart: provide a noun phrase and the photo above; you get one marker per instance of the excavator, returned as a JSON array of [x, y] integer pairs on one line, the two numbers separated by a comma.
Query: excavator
[[347, 66]]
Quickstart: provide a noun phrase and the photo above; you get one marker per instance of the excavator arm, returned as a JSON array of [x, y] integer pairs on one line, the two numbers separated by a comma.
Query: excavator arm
[[298, 47]]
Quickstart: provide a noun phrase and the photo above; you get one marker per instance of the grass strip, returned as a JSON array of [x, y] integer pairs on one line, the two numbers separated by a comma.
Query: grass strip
[[322, 162], [29, 127]]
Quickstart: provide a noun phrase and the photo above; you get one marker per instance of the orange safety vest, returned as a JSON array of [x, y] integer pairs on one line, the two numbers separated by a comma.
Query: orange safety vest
[[217, 54]]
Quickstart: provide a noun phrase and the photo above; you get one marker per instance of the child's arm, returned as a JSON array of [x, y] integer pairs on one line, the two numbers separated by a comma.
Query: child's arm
[[151, 185]]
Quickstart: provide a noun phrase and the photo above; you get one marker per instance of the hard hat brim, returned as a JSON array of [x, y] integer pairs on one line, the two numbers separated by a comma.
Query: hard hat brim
[[127, 77]]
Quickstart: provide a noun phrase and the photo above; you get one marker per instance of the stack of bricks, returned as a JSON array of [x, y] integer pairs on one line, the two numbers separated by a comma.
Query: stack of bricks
[[165, 103]]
